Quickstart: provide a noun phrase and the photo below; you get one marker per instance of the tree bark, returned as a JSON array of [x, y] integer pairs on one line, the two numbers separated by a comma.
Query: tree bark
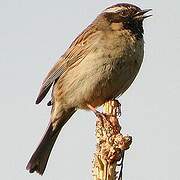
[[111, 144]]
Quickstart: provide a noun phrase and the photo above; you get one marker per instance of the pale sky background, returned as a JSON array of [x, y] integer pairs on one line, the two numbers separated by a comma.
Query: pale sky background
[[33, 34]]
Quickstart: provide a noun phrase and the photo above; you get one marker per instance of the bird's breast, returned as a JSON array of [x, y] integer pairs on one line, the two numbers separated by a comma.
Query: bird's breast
[[105, 73]]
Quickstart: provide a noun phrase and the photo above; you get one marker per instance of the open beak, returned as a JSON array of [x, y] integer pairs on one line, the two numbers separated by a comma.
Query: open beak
[[141, 14]]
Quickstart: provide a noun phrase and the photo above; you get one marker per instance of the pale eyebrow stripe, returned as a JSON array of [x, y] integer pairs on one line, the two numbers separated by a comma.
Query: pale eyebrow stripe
[[114, 9]]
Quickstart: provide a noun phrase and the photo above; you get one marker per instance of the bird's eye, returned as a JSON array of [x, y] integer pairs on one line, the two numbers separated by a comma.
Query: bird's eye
[[123, 12]]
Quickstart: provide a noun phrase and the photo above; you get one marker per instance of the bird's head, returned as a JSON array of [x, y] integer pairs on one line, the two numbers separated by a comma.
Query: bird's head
[[127, 15]]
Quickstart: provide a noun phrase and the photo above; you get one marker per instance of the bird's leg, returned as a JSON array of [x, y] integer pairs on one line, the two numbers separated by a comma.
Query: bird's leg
[[97, 113]]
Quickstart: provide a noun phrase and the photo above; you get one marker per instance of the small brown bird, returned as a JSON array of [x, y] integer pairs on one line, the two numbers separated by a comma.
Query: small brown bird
[[100, 65]]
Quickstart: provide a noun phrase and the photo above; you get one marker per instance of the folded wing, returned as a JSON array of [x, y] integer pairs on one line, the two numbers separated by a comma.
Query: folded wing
[[79, 49]]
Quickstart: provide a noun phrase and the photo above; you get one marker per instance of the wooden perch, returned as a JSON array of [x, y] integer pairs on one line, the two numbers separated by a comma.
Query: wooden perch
[[111, 144]]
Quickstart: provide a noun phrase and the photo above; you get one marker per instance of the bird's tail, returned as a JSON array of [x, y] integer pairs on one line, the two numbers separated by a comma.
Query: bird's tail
[[40, 157]]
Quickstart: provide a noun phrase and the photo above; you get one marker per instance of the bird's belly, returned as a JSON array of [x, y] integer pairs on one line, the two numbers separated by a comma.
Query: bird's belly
[[115, 80], [100, 78]]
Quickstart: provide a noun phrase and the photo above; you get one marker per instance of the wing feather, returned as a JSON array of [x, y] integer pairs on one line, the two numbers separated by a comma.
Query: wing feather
[[78, 50]]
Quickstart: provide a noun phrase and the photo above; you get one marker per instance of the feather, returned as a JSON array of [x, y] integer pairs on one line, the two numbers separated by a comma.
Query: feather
[[78, 50]]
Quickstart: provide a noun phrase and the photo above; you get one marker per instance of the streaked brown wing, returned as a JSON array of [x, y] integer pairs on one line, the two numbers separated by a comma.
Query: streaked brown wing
[[79, 49]]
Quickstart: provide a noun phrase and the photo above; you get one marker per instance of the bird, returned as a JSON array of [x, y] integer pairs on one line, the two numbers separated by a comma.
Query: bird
[[100, 65]]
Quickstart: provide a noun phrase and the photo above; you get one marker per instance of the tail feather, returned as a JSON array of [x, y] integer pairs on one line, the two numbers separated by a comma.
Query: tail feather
[[40, 157]]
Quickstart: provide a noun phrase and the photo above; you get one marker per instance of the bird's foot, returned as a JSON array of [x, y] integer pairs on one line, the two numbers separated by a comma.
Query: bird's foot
[[98, 114]]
